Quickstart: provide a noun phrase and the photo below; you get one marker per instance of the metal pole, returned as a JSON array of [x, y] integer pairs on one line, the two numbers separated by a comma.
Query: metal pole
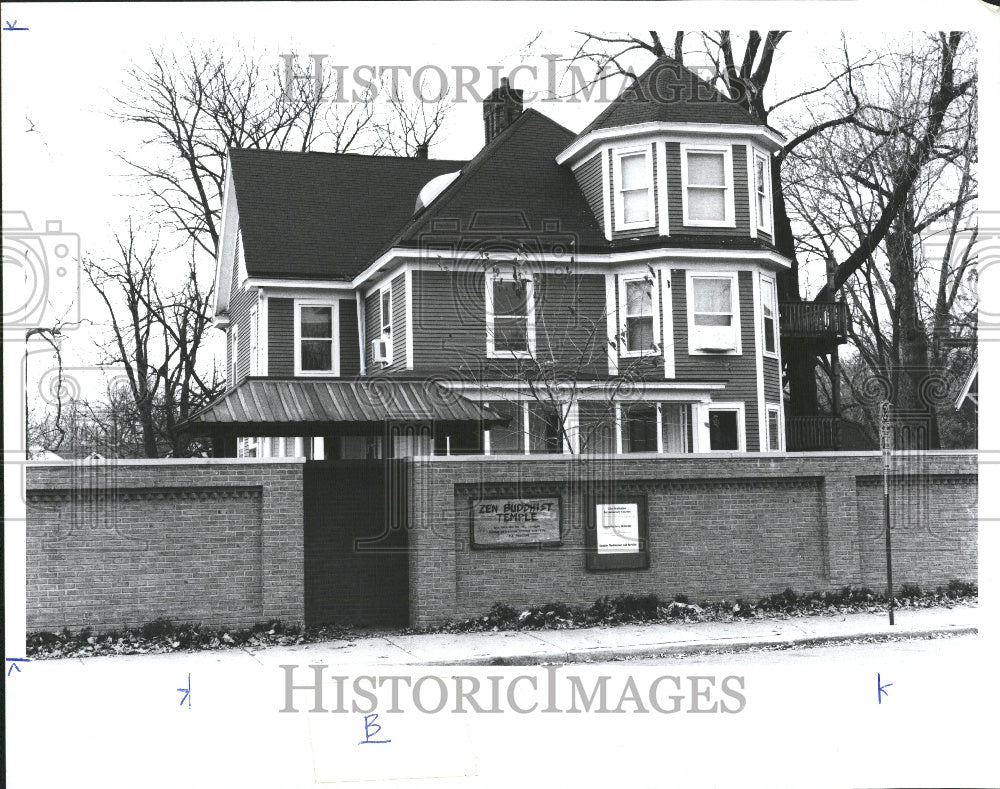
[[886, 434]]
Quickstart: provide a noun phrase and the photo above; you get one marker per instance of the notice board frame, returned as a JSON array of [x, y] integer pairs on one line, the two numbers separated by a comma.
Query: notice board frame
[[616, 561]]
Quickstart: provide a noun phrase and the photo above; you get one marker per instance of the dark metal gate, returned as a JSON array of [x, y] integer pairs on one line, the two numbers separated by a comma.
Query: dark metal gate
[[356, 569]]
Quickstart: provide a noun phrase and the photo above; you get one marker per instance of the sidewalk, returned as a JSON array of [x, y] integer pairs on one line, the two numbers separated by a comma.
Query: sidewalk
[[602, 643]]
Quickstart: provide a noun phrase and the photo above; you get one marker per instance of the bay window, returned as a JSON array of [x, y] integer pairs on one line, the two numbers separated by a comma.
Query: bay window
[[713, 314], [633, 177], [707, 178], [768, 306], [762, 191], [638, 300]]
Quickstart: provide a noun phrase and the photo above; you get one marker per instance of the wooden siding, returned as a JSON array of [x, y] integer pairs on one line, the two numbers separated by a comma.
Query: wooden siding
[[590, 178], [240, 303], [645, 231], [675, 206], [350, 351], [772, 380], [280, 338], [372, 328], [739, 372], [449, 319], [398, 322]]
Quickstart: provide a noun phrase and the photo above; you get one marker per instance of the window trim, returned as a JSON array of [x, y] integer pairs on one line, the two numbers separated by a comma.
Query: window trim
[[768, 284], [765, 222], [737, 325], [385, 333], [234, 350], [775, 408], [529, 297], [728, 197], [619, 200], [334, 305], [253, 324], [741, 430], [623, 280]]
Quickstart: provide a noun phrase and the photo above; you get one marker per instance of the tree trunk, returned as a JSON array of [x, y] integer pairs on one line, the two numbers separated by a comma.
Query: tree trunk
[[914, 361]]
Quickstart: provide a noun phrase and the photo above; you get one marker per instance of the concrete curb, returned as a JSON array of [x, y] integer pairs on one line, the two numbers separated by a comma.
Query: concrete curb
[[714, 647]]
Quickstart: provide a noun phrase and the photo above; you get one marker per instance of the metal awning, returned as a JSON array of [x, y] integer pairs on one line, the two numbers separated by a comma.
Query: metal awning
[[274, 407]]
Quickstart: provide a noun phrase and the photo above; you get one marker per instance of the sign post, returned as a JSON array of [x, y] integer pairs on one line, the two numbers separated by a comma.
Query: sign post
[[885, 434]]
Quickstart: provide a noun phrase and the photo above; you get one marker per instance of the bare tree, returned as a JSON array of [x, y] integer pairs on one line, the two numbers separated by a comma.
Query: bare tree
[[155, 338], [745, 77]]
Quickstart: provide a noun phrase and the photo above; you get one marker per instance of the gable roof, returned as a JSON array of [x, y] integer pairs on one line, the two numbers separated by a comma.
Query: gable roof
[[323, 215], [667, 92], [512, 190]]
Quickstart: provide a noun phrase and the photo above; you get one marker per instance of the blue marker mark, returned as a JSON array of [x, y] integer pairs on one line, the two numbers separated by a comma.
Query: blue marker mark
[[371, 730], [13, 26], [13, 663], [882, 688], [186, 692]]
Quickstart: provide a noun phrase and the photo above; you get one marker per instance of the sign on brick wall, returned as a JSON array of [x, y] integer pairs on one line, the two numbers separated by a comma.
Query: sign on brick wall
[[617, 532], [503, 523]]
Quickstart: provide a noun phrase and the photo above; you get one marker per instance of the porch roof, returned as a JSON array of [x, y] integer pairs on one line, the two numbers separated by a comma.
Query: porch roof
[[267, 406]]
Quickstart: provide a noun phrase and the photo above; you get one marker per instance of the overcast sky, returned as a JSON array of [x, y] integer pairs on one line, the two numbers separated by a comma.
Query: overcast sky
[[60, 147]]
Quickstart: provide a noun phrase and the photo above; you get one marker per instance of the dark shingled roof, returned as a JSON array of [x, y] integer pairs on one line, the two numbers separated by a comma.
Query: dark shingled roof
[[670, 93], [514, 191], [323, 215]]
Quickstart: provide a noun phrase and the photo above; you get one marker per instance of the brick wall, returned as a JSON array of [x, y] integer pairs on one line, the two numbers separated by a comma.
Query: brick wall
[[719, 527], [120, 543]]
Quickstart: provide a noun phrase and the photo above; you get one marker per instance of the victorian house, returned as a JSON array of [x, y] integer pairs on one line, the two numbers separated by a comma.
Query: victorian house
[[611, 291]]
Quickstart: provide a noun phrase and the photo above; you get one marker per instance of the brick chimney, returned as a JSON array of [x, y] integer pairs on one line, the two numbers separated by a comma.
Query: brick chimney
[[501, 108]]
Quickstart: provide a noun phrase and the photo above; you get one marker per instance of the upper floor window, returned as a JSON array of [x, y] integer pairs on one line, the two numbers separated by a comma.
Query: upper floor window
[[385, 322], [713, 314], [253, 346], [707, 174], [234, 354], [768, 307], [762, 190], [773, 428], [638, 299], [315, 338], [633, 176], [510, 316]]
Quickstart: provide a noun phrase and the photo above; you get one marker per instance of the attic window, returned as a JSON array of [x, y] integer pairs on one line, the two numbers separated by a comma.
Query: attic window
[[433, 188]]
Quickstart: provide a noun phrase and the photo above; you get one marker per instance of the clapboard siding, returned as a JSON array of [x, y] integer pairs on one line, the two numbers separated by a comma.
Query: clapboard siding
[[570, 322], [240, 303], [398, 323], [646, 231], [280, 338], [373, 329], [738, 372], [772, 380], [449, 324], [590, 177], [350, 352], [675, 197]]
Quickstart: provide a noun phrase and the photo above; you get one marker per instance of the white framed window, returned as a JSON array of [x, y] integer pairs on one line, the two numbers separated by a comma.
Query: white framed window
[[762, 190], [774, 432], [707, 179], [769, 316], [510, 316], [253, 343], [723, 427], [638, 306], [633, 178], [385, 320], [713, 313], [234, 354], [317, 347]]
